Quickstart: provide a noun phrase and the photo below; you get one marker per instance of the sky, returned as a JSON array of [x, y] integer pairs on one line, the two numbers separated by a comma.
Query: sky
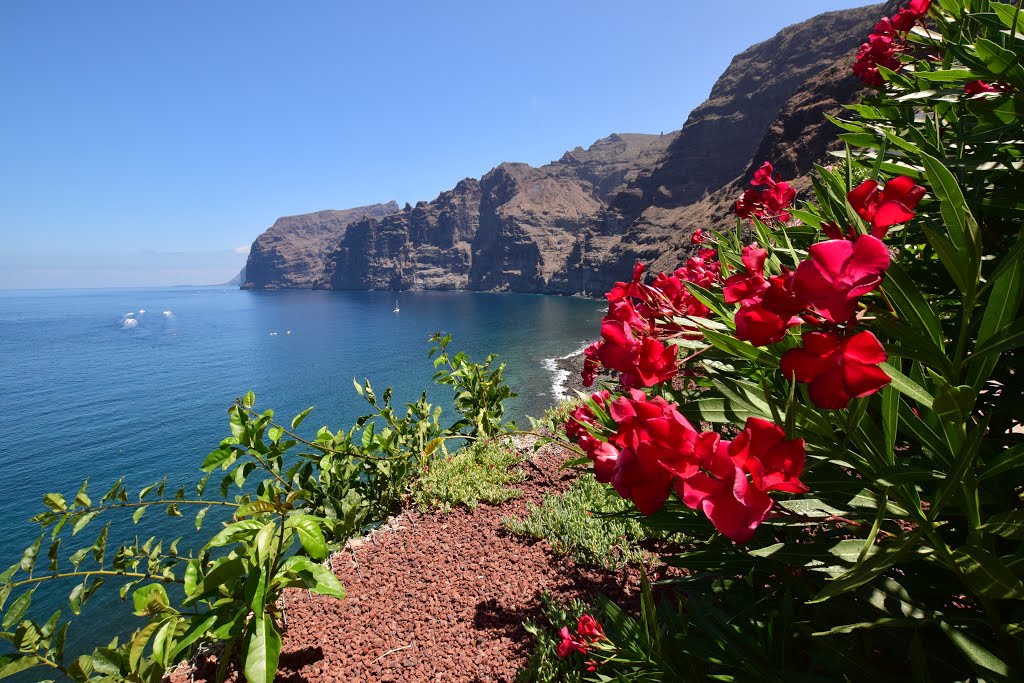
[[149, 143]]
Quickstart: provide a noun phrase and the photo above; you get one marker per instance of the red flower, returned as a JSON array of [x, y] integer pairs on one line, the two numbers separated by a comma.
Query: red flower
[[655, 444], [774, 462], [838, 273], [759, 326], [749, 285], [891, 206], [878, 51], [769, 204], [721, 491], [588, 627], [919, 7], [979, 87], [570, 644], [697, 237], [576, 426], [837, 368], [590, 364]]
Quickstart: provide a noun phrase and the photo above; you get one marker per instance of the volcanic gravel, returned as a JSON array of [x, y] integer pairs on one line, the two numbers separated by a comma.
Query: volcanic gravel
[[435, 597]]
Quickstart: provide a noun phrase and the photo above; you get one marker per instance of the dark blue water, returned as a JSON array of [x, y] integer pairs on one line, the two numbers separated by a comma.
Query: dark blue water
[[87, 393]]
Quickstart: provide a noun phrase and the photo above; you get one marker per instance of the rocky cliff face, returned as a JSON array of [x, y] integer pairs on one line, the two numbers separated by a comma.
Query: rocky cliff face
[[576, 225], [291, 253], [512, 230]]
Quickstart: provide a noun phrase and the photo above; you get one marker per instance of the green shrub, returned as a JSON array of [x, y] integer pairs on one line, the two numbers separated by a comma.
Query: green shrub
[[480, 473], [577, 523]]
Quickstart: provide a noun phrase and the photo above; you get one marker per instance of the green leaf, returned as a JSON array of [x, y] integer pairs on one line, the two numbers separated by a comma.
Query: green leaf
[[83, 520], [975, 653], [200, 516], [264, 542], [55, 502], [317, 577], [150, 600], [249, 399], [12, 664], [871, 568], [1000, 313], [996, 57], [17, 609], [962, 229], [907, 386], [310, 535], [297, 420], [741, 349], [137, 515], [198, 626], [1008, 460], [262, 650], [28, 558], [225, 571], [715, 410], [1007, 339], [254, 508], [907, 299], [1008, 524], [986, 574]]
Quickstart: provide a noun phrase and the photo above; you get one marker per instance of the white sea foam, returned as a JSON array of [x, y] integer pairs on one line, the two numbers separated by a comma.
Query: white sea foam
[[142, 311], [559, 376], [128, 314], [168, 314], [129, 323], [273, 334]]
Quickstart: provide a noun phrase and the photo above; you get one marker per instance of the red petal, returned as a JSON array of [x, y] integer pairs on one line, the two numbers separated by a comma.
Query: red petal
[[864, 380], [862, 198], [828, 390], [889, 214], [863, 347]]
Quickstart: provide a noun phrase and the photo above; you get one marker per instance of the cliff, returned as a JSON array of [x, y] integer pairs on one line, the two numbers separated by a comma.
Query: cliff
[[576, 225]]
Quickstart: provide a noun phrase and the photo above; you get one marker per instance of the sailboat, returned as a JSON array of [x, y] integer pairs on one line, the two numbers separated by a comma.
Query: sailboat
[[396, 307]]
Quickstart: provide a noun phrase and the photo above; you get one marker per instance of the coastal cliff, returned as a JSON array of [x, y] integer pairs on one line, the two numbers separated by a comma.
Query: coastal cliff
[[574, 226]]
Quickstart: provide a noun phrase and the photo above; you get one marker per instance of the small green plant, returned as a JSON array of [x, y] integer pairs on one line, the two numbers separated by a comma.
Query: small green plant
[[480, 391], [482, 472], [544, 665], [582, 522]]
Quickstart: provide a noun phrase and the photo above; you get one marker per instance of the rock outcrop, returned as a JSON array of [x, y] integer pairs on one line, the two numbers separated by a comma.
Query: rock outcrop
[[291, 253], [576, 225]]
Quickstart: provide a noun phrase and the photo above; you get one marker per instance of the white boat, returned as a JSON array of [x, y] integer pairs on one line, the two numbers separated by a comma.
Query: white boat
[[396, 307]]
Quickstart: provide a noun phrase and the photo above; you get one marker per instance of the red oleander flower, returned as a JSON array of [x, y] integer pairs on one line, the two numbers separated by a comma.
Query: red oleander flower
[[878, 51], [838, 273], [770, 203], [834, 232], [655, 445], [837, 368], [773, 461], [590, 364], [697, 237], [747, 286], [919, 7], [570, 644], [722, 492], [622, 290], [893, 205], [979, 87], [904, 20], [576, 426], [759, 326], [588, 627]]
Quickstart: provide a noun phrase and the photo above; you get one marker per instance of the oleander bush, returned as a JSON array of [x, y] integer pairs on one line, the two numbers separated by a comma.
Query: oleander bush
[[856, 511]]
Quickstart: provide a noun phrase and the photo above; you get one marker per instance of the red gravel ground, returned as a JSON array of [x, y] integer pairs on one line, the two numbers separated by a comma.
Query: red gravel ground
[[435, 598]]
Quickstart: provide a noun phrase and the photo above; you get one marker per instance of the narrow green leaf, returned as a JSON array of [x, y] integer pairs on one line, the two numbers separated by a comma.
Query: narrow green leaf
[[986, 574], [1008, 524], [28, 558], [907, 386]]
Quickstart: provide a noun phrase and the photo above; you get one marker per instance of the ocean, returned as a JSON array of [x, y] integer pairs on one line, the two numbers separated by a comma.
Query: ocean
[[136, 382]]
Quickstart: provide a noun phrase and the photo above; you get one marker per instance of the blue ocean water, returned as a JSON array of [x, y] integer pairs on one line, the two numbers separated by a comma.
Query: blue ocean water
[[136, 382]]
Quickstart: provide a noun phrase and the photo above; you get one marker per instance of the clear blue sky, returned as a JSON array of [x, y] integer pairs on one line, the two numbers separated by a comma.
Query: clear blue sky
[[145, 143]]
